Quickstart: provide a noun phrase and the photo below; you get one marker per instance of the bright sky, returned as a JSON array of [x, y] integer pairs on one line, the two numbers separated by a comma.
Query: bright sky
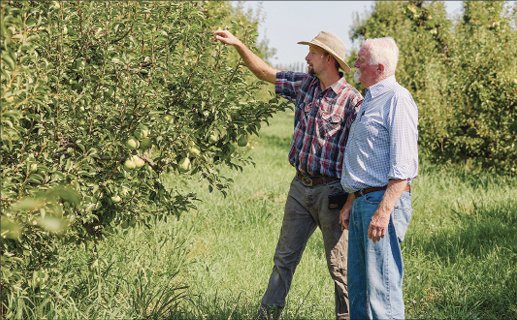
[[288, 22]]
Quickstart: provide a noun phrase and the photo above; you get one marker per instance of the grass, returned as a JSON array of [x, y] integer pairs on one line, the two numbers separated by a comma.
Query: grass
[[236, 239], [460, 252]]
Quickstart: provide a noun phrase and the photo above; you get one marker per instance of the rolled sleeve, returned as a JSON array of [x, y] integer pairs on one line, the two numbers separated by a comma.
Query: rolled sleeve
[[403, 137], [288, 84]]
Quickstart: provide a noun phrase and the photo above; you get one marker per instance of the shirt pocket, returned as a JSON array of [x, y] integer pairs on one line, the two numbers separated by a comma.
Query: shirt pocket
[[371, 127], [330, 119], [329, 125]]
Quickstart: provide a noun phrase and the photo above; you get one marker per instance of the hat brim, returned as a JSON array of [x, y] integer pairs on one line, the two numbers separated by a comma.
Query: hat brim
[[341, 62]]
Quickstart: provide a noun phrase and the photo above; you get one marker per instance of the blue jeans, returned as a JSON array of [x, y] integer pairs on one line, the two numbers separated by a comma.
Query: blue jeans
[[375, 270], [306, 209]]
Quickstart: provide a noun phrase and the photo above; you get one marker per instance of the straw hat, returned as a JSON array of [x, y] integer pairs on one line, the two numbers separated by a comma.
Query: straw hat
[[333, 45]]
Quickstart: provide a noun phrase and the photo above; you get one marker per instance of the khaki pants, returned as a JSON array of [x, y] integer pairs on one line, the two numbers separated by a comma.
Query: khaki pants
[[305, 209]]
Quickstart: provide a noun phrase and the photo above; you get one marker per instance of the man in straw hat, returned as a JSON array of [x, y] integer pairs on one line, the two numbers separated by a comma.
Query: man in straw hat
[[326, 105]]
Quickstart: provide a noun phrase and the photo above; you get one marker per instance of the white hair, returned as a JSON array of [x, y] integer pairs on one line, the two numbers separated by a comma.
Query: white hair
[[384, 51]]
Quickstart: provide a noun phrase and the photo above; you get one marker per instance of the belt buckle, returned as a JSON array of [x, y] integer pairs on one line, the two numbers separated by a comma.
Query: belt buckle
[[306, 181]]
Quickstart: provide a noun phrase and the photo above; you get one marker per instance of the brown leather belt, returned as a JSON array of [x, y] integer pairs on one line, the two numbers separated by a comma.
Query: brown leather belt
[[358, 194], [309, 181]]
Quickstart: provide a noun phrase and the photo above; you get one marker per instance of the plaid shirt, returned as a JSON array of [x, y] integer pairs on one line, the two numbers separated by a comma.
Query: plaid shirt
[[322, 121]]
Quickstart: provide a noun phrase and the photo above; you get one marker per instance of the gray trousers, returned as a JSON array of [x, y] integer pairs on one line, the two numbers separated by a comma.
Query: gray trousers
[[305, 209]]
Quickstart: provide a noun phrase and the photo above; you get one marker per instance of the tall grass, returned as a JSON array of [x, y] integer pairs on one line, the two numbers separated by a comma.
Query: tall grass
[[460, 251], [134, 274], [214, 262]]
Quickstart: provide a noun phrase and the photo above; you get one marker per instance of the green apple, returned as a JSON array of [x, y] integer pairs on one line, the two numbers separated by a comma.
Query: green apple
[[146, 144], [116, 199], [141, 133], [184, 165], [214, 138], [125, 224], [139, 162], [132, 143], [243, 140], [129, 164], [195, 150], [34, 167], [168, 119]]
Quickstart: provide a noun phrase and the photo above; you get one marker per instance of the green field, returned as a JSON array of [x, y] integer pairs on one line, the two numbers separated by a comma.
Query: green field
[[214, 262], [460, 251]]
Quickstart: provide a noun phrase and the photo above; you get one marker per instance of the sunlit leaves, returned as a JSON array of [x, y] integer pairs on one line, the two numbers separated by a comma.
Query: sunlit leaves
[[461, 75], [79, 79]]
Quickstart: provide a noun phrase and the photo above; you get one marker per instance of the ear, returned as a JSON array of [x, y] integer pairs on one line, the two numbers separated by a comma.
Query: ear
[[380, 68]]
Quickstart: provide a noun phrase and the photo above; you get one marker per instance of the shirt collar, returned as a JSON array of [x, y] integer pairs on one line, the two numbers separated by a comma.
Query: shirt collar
[[339, 85], [381, 86]]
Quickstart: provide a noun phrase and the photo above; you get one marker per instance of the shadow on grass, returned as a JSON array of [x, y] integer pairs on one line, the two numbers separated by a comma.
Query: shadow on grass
[[236, 308], [214, 308], [475, 227], [477, 252], [470, 177]]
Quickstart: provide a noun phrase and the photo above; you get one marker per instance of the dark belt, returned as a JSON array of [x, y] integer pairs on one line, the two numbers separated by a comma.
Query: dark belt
[[358, 194], [309, 181]]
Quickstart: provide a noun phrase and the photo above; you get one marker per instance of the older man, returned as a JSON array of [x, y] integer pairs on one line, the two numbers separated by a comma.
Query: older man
[[325, 107], [381, 160]]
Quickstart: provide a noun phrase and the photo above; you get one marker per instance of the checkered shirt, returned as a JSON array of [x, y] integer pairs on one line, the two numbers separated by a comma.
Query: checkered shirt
[[321, 122], [383, 139]]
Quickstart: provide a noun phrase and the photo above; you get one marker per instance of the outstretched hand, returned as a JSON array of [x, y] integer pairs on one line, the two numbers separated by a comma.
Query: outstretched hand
[[259, 68], [226, 37]]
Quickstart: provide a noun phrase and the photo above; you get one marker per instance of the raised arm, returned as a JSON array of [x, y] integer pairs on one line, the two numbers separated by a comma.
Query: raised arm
[[259, 68]]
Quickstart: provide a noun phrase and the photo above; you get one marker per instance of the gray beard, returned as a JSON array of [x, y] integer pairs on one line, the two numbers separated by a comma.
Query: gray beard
[[357, 75]]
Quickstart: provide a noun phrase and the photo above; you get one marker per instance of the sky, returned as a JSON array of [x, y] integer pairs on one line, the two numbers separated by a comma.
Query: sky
[[288, 22]]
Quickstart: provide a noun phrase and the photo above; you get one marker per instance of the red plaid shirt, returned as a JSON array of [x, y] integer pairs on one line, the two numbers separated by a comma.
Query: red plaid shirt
[[322, 121]]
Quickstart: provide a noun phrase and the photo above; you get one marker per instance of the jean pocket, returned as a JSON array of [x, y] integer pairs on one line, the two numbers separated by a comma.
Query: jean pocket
[[402, 215], [374, 198]]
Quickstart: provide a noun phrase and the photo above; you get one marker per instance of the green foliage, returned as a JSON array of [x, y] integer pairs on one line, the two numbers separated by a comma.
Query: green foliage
[[132, 275], [462, 75], [81, 79]]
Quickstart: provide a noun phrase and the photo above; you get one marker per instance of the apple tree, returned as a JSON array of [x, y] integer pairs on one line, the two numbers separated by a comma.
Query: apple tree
[[99, 100]]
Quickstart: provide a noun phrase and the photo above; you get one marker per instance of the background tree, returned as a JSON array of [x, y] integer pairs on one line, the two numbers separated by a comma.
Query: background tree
[[462, 75]]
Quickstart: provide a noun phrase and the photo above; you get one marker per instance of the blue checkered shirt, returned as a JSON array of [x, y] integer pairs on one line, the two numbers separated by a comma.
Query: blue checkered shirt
[[382, 144]]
